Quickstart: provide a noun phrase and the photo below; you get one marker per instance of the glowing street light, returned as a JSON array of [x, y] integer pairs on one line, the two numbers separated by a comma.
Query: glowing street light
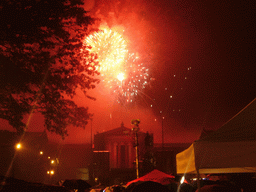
[[50, 172], [18, 146]]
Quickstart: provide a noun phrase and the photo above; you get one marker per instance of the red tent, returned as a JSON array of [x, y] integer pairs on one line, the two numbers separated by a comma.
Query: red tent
[[156, 176]]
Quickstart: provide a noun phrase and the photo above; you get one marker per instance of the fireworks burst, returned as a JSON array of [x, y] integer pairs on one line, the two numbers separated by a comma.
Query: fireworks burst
[[111, 49], [122, 72], [136, 78]]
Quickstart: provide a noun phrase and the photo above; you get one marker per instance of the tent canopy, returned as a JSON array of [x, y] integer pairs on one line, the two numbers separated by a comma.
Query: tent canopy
[[155, 176], [230, 149]]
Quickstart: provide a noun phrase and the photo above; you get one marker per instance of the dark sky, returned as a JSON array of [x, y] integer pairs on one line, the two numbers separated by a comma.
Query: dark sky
[[217, 39], [201, 55]]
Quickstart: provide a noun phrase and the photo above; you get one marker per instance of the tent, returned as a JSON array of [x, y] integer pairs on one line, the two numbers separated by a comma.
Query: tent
[[155, 176], [148, 186], [230, 149]]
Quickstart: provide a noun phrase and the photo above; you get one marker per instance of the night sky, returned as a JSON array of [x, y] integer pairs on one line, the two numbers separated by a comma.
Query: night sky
[[201, 57], [217, 39]]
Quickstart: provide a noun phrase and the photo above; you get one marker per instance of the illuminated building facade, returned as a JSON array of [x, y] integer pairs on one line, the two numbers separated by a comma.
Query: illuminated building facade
[[120, 143]]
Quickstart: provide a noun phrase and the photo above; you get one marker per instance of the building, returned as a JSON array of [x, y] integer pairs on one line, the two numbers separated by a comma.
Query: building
[[119, 144], [119, 154]]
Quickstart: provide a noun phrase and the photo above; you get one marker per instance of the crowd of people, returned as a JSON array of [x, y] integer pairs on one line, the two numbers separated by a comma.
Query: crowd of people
[[211, 183]]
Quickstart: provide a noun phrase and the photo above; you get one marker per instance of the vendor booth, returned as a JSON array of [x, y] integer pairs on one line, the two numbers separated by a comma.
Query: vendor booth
[[230, 149]]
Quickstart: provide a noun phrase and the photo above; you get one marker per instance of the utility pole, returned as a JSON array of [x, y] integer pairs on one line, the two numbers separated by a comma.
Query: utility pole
[[162, 151], [162, 133], [91, 136], [136, 129]]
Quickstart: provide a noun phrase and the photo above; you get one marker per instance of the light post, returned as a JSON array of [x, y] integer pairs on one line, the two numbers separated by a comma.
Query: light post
[[162, 133], [18, 146], [14, 152], [53, 168], [91, 135], [135, 129]]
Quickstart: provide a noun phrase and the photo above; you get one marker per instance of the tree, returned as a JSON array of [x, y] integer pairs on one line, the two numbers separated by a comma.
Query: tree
[[43, 61]]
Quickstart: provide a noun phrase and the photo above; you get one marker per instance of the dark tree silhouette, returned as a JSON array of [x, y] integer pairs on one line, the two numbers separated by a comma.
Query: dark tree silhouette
[[43, 61]]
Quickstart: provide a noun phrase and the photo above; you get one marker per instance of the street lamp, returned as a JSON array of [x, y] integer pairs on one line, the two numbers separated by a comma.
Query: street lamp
[[162, 133], [51, 172], [91, 135], [18, 146], [135, 129]]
